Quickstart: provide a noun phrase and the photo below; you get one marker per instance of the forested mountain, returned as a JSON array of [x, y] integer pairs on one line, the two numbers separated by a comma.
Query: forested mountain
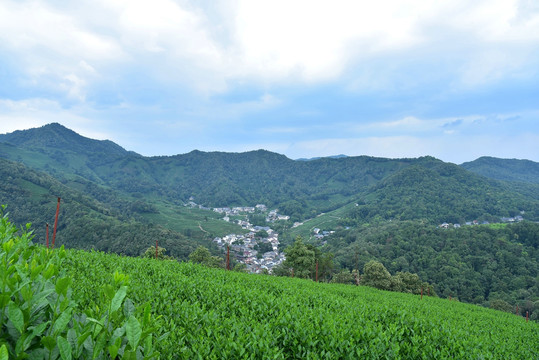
[[477, 264], [54, 137], [505, 169], [442, 192], [86, 223]]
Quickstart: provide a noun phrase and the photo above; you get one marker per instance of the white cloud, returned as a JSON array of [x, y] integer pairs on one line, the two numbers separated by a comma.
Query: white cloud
[[31, 113], [213, 46]]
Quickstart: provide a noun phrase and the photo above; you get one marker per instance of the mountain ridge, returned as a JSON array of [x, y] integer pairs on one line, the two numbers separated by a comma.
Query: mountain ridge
[[302, 189], [57, 136], [515, 170]]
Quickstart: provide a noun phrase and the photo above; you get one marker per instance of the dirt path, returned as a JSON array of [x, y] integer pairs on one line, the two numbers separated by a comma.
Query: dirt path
[[200, 227]]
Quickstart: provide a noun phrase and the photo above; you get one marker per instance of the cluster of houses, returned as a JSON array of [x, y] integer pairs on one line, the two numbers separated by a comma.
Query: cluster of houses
[[272, 216], [320, 234], [237, 210], [242, 246], [475, 222]]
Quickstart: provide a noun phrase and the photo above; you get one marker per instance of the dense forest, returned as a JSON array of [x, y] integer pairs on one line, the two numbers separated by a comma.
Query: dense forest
[[440, 192], [505, 169], [476, 264]]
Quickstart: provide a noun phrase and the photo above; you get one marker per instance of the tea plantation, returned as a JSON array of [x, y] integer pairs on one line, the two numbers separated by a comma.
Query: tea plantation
[[78, 304]]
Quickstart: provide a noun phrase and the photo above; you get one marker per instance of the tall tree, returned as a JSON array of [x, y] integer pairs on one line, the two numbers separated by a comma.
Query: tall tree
[[300, 258], [376, 275]]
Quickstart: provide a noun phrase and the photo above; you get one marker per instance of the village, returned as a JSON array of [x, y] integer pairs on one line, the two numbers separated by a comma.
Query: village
[[514, 219], [259, 248]]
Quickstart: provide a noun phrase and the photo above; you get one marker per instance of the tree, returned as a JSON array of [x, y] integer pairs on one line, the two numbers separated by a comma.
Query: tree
[[203, 256], [150, 253], [502, 305], [240, 267], [262, 234], [406, 282], [344, 277], [263, 247], [300, 258], [281, 270], [200, 255], [376, 275]]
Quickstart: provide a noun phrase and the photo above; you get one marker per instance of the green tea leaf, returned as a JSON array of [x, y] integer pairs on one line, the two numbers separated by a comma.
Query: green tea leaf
[[62, 322], [64, 347], [62, 285], [129, 308], [49, 342], [4, 355], [134, 331], [113, 351], [15, 316], [118, 298]]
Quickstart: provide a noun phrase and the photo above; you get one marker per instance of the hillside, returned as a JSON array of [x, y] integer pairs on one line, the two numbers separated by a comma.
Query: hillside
[[85, 222], [442, 192], [53, 137], [184, 311], [475, 264], [505, 169]]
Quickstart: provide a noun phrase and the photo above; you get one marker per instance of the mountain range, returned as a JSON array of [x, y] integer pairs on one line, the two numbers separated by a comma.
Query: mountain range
[[422, 188], [120, 201]]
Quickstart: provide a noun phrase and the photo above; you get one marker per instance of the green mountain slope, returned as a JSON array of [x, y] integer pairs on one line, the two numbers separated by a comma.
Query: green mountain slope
[[53, 137], [85, 222], [505, 169], [301, 189], [442, 192], [477, 263]]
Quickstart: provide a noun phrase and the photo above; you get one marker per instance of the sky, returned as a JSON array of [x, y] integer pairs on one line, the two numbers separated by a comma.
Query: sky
[[454, 79]]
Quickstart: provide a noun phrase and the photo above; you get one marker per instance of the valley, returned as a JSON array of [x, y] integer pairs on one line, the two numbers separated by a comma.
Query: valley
[[351, 210]]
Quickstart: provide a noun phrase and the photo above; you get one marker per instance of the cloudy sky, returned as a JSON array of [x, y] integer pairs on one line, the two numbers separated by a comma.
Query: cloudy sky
[[455, 79]]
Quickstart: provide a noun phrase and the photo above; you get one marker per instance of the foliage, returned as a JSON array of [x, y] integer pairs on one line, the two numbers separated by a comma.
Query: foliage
[[84, 222], [263, 247], [376, 275], [346, 277], [203, 256], [300, 259], [39, 318], [505, 169], [199, 312], [161, 253], [262, 234], [474, 263], [499, 304], [439, 192], [216, 314]]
